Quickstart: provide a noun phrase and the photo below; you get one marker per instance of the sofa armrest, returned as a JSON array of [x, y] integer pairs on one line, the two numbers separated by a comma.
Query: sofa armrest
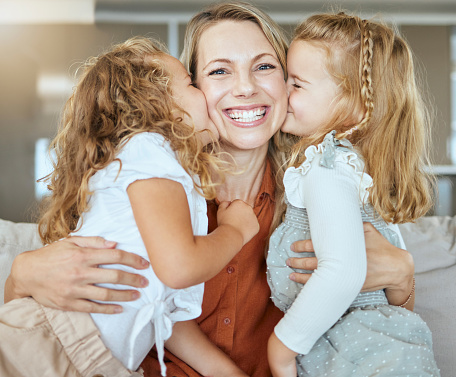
[[432, 242]]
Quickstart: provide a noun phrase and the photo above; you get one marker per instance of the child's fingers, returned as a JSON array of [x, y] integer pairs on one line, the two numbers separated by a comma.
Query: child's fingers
[[224, 205]]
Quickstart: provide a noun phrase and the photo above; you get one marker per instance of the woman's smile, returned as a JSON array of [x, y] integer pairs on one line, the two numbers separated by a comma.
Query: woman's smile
[[247, 116]]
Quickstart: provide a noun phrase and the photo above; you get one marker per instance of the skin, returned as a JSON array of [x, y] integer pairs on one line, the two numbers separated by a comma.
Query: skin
[[312, 91], [236, 80], [74, 260], [191, 99], [312, 94], [250, 79]]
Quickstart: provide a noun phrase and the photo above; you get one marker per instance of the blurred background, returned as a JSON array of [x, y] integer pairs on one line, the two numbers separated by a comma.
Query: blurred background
[[42, 42]]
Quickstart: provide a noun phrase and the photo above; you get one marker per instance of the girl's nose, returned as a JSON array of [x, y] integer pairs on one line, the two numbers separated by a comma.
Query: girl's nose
[[288, 85]]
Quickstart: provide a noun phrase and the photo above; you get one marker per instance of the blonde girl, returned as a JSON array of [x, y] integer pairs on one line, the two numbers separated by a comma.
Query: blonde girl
[[354, 102], [130, 166]]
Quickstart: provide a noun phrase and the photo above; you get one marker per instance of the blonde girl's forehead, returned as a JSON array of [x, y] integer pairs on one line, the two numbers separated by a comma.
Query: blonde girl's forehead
[[175, 67]]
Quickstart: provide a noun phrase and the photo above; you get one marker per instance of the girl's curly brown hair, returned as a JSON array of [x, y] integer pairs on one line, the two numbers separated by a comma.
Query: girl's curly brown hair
[[119, 94]]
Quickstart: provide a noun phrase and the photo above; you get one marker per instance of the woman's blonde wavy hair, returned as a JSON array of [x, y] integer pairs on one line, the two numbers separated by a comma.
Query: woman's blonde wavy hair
[[374, 69], [240, 11], [119, 94]]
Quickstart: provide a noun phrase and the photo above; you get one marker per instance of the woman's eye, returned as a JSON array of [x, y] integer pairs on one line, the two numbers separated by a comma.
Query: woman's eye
[[263, 67], [218, 71]]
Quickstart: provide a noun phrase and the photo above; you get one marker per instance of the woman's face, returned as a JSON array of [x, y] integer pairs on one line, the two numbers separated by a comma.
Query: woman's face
[[243, 81]]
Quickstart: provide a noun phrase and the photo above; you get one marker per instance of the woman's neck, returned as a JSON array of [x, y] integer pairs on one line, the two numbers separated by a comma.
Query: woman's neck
[[244, 186]]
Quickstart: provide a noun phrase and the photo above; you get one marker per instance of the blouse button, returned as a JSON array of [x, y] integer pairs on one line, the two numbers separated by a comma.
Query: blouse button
[[230, 269], [227, 321]]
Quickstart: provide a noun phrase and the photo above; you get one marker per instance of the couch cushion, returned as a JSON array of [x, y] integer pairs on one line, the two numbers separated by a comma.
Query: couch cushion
[[14, 239], [431, 241]]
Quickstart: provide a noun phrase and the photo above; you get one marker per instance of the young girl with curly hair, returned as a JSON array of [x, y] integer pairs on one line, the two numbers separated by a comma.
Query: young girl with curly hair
[[130, 166], [354, 102]]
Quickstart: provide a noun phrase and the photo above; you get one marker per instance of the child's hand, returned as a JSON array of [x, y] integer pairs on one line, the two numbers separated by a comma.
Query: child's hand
[[240, 216], [282, 360]]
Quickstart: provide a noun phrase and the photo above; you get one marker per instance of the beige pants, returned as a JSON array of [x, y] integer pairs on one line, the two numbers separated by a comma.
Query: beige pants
[[43, 342]]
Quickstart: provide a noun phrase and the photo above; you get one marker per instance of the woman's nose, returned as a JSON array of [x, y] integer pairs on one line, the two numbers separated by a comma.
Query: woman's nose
[[244, 86]]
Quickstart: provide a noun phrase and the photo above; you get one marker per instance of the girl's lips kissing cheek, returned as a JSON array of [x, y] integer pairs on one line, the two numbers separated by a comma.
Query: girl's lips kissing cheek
[[247, 117]]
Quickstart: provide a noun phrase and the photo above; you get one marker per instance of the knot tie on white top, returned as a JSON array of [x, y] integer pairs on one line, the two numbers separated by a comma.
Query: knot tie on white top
[[158, 313]]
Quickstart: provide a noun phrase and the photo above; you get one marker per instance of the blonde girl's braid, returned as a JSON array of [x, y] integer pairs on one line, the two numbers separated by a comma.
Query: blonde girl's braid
[[367, 91]]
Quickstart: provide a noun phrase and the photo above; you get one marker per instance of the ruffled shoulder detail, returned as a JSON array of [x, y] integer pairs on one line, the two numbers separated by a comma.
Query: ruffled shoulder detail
[[325, 155]]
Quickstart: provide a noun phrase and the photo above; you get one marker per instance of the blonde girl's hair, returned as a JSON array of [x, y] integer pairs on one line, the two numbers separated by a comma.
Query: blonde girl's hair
[[119, 94], [244, 12], [379, 109]]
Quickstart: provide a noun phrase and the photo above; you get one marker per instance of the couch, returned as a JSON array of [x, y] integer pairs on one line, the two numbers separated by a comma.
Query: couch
[[431, 241]]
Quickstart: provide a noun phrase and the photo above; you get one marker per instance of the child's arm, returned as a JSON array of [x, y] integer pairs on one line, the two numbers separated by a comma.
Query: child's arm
[[193, 347], [179, 258], [331, 199], [282, 360], [388, 267]]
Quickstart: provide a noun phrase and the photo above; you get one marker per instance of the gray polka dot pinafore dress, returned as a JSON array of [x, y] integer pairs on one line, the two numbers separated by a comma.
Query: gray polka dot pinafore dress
[[372, 338]]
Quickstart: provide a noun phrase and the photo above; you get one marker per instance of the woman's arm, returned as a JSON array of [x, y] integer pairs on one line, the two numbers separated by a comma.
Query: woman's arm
[[62, 275], [179, 258], [193, 347], [388, 267]]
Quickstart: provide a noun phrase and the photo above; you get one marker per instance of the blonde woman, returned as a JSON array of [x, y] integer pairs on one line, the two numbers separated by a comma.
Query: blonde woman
[[237, 56]]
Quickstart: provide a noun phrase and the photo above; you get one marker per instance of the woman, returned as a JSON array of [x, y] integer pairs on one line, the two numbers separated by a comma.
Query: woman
[[237, 57]]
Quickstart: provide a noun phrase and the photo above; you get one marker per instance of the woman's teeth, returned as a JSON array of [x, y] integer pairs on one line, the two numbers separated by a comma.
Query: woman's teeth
[[247, 116]]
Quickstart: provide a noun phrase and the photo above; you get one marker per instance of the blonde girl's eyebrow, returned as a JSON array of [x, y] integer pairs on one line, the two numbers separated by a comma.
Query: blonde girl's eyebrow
[[296, 77]]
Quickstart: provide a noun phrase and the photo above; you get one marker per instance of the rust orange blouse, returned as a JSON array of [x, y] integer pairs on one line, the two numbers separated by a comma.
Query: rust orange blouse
[[238, 314]]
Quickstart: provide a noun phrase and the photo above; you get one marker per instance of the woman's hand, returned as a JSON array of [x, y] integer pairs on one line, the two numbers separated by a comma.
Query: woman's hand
[[388, 267], [63, 275], [282, 360]]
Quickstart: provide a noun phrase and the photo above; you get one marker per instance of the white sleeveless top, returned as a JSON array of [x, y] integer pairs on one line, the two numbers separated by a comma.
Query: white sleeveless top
[[148, 320]]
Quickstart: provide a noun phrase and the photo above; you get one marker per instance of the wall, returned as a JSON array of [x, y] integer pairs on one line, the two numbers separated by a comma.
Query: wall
[[31, 51], [28, 53]]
